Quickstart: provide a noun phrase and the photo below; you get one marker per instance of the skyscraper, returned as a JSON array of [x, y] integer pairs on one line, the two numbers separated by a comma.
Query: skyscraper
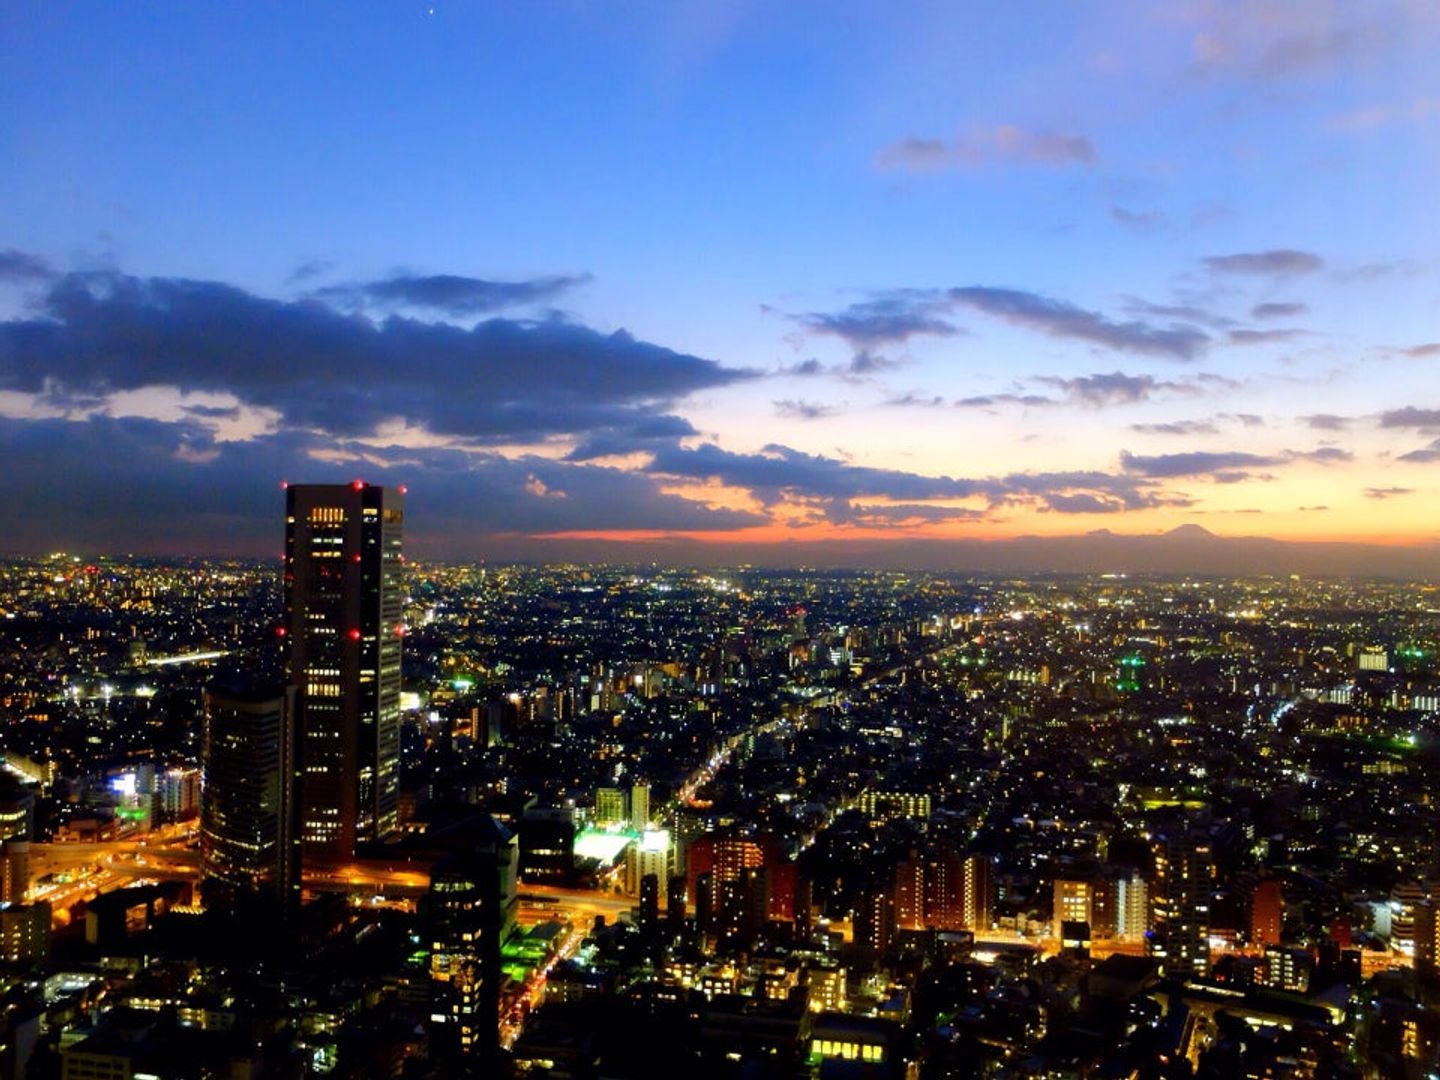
[[471, 910], [343, 625], [248, 840]]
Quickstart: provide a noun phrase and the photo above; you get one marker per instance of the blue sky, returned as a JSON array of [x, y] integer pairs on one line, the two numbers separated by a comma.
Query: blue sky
[[1035, 190]]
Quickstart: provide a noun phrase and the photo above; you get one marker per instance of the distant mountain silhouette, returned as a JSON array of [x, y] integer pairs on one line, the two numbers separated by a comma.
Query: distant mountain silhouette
[[1186, 549]]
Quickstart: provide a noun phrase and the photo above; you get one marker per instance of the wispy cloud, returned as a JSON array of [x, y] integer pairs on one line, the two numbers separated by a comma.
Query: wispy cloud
[[1263, 337], [1278, 262], [895, 316], [21, 266], [1141, 221], [1114, 388], [1277, 310], [1177, 427], [1411, 417], [1059, 318], [450, 294], [891, 318], [1425, 455], [1372, 117], [1223, 463], [799, 409], [1004, 144]]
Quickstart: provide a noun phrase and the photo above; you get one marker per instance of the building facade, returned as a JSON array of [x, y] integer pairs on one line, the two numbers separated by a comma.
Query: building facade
[[248, 822], [343, 608]]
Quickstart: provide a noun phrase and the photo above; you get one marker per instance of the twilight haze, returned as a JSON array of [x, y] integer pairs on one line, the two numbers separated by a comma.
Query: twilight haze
[[840, 282]]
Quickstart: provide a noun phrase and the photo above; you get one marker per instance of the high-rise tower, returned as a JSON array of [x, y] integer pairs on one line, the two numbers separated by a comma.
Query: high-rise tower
[[247, 813], [343, 625]]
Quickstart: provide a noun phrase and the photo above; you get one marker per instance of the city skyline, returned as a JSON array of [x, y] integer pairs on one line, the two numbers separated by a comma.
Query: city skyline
[[711, 283]]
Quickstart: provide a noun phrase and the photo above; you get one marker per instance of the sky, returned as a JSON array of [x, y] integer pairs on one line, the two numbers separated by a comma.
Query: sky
[[741, 278]]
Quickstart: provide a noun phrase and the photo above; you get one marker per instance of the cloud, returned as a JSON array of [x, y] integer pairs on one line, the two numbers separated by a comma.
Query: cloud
[[1280, 262], [916, 401], [636, 436], [22, 267], [1177, 427], [1321, 455], [1194, 463], [1278, 310], [1370, 273], [986, 401], [1141, 221], [1263, 337], [799, 409], [1002, 144], [1371, 117], [1387, 492], [1186, 313], [804, 369], [1282, 41], [310, 268], [502, 380], [1058, 318], [868, 362], [1326, 421], [143, 485], [450, 294], [1318, 51], [778, 469], [891, 318], [1116, 388], [1425, 455], [1082, 503], [1224, 466], [1411, 417], [779, 474], [1422, 352]]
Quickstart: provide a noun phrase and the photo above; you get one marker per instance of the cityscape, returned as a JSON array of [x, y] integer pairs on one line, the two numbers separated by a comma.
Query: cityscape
[[593, 820], [712, 540]]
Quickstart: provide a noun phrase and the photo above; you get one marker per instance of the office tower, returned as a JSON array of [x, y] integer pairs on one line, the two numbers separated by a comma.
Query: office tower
[[547, 844], [248, 835], [471, 909], [343, 625]]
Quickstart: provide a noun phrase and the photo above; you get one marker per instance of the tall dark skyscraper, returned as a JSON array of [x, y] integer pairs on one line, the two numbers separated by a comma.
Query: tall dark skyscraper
[[343, 624], [248, 838]]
